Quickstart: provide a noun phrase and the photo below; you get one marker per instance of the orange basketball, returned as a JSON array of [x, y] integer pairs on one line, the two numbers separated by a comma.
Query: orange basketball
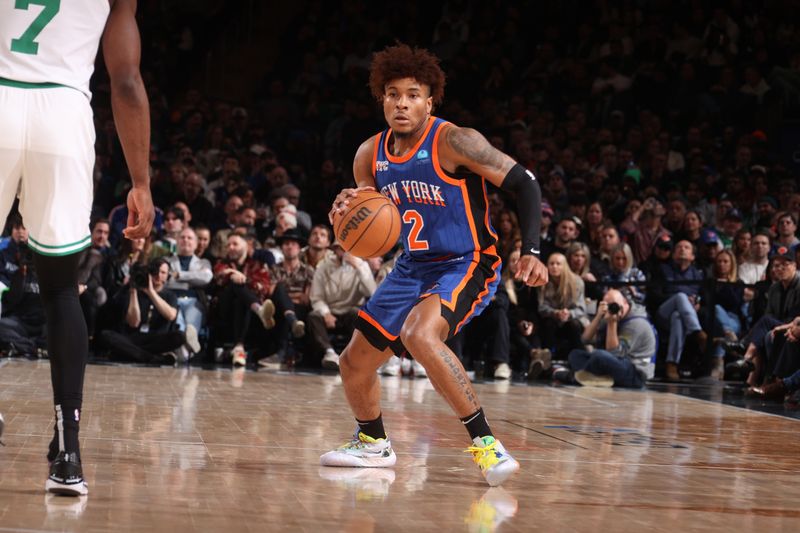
[[369, 226]]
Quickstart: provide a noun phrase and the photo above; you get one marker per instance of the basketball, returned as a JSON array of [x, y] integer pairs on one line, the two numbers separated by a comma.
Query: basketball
[[369, 226]]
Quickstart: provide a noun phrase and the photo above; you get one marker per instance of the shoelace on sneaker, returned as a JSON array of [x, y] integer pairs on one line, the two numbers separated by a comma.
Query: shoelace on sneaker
[[484, 456], [359, 441]]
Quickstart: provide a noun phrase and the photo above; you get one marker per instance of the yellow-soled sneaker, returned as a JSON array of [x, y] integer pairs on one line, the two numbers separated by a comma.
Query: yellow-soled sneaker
[[495, 462], [361, 451]]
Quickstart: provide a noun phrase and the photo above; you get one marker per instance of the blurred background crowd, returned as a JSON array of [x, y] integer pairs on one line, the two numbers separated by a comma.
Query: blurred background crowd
[[665, 137]]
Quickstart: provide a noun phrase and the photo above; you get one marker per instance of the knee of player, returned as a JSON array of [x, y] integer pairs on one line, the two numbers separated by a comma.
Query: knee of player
[[417, 338]]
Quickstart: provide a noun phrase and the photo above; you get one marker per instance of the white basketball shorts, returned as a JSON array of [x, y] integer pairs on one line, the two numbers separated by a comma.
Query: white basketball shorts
[[47, 159]]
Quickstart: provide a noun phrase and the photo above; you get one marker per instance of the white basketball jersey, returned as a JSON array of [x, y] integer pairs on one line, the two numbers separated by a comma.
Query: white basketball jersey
[[50, 41]]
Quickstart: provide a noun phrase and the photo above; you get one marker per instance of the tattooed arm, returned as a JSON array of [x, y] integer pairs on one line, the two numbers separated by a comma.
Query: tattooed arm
[[465, 148]]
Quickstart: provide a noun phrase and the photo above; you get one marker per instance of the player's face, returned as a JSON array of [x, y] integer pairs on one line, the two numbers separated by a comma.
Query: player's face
[[407, 105]]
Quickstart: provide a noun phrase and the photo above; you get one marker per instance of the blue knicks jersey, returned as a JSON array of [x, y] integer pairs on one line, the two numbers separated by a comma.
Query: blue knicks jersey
[[444, 215]]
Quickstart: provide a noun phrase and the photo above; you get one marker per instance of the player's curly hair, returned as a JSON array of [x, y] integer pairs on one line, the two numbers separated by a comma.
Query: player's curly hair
[[401, 61]]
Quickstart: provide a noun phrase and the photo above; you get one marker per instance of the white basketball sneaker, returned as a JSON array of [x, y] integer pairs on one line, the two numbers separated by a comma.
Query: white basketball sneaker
[[391, 367], [495, 462], [361, 451]]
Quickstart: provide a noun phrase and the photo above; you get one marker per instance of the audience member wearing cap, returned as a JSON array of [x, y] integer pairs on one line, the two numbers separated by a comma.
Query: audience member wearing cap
[[766, 207], [292, 280], [783, 304], [731, 223], [710, 245], [662, 255]]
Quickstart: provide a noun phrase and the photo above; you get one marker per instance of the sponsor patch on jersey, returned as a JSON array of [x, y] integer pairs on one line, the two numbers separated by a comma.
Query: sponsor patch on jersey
[[422, 154], [381, 166]]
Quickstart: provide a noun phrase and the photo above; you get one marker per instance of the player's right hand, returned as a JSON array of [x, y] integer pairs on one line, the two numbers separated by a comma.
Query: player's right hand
[[140, 213], [531, 271], [343, 199]]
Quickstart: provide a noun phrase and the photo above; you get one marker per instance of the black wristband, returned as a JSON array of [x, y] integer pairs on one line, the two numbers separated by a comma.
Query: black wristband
[[525, 187]]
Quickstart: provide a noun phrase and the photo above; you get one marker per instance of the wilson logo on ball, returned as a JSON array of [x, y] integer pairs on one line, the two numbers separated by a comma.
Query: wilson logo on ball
[[354, 221]]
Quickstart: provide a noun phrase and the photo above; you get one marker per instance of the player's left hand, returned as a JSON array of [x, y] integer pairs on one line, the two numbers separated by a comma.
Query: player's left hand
[[140, 213], [531, 271]]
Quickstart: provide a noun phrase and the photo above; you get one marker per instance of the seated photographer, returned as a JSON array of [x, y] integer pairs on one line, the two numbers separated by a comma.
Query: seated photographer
[[150, 333], [627, 345], [22, 324], [189, 276]]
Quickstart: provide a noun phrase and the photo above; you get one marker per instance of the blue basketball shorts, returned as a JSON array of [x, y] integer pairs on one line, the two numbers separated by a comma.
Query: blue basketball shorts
[[465, 286]]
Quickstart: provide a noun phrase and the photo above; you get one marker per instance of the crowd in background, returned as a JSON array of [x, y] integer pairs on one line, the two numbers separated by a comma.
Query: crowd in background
[[660, 134]]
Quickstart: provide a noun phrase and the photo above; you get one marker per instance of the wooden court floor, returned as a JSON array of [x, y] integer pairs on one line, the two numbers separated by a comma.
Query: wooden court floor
[[167, 449]]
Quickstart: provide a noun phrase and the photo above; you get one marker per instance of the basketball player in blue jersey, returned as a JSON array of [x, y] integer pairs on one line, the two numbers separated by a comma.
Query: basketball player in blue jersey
[[47, 55], [435, 173]]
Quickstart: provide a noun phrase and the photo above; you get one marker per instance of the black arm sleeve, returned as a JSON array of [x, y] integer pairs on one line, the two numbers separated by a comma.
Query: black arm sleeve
[[523, 184]]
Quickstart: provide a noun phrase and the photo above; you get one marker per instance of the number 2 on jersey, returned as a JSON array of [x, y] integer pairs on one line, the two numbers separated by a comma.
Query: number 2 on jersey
[[415, 244], [26, 43]]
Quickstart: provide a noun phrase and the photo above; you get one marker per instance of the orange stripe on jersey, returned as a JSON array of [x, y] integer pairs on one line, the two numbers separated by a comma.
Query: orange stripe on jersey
[[375, 157], [486, 221], [410, 153], [377, 326], [451, 303], [461, 184], [480, 295], [435, 157]]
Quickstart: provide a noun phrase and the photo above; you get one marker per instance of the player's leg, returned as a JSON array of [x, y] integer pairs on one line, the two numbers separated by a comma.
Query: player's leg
[[55, 203], [370, 447], [358, 366], [423, 334]]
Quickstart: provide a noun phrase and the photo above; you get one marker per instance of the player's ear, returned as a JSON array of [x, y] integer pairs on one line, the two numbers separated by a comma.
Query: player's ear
[[429, 104]]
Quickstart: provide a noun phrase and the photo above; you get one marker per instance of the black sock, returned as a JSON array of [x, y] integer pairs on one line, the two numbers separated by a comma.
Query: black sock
[[372, 428], [67, 428], [477, 425]]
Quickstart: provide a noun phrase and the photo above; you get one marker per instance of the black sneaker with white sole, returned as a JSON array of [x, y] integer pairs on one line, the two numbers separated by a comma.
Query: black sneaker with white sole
[[66, 476]]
